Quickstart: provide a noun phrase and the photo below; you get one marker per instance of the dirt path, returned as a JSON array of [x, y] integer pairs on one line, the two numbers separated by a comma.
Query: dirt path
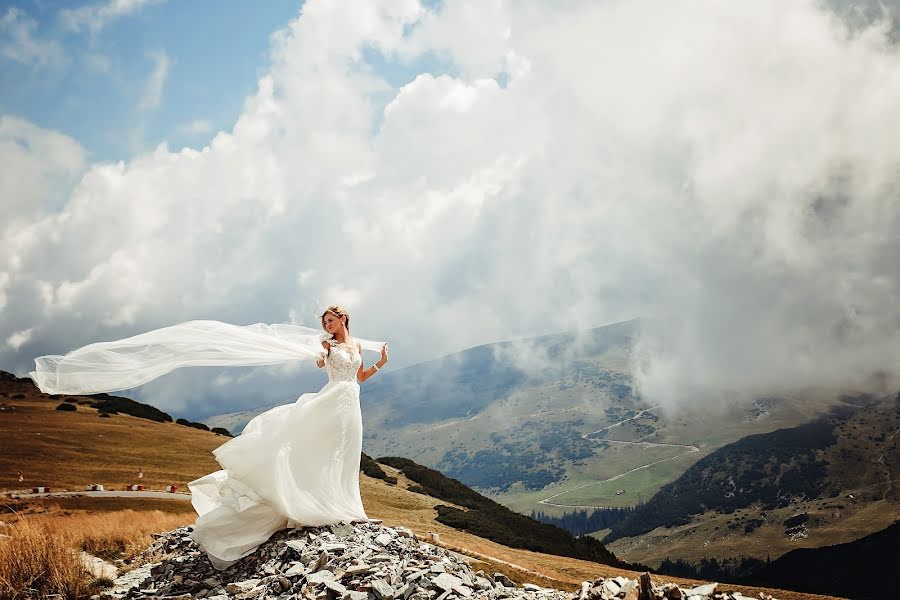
[[108, 494]]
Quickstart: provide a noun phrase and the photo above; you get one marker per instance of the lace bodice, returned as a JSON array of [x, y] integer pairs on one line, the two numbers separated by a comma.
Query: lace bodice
[[343, 361]]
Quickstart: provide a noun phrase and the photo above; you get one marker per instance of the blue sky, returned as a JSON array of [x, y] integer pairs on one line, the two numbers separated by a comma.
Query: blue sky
[[94, 87]]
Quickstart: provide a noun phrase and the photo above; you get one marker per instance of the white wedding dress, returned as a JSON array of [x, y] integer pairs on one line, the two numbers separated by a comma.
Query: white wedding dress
[[294, 465]]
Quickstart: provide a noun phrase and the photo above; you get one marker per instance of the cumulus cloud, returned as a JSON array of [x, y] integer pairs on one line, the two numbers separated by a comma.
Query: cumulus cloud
[[728, 170], [38, 169]]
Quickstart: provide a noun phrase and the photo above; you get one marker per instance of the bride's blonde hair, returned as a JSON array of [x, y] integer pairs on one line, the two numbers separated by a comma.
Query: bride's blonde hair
[[337, 311]]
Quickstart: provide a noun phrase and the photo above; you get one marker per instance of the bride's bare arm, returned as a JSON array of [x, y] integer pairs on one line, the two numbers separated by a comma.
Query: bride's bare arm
[[363, 374], [321, 363]]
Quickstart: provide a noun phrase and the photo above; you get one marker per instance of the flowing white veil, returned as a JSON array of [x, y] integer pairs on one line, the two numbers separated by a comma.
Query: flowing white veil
[[133, 361]]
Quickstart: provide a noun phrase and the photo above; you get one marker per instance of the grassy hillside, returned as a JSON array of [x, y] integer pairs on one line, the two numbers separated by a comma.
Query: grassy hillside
[[825, 482], [551, 416], [865, 568], [488, 519], [69, 449]]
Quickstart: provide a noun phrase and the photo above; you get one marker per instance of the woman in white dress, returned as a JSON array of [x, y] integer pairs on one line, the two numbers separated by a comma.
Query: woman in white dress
[[294, 465]]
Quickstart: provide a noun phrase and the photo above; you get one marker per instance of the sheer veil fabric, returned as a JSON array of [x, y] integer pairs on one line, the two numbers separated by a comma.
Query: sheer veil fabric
[[294, 465]]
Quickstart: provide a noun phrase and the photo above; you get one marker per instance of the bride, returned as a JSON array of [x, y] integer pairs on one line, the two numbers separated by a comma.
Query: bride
[[294, 465]]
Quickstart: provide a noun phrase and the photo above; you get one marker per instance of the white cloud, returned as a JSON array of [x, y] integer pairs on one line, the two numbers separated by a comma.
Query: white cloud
[[38, 168], [729, 170], [19, 338], [18, 43], [95, 17], [156, 83], [197, 127]]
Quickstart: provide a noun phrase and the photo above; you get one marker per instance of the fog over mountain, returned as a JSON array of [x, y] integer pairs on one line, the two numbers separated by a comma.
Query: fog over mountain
[[454, 177]]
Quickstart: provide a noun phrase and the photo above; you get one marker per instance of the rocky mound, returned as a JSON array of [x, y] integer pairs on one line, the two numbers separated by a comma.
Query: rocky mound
[[359, 561]]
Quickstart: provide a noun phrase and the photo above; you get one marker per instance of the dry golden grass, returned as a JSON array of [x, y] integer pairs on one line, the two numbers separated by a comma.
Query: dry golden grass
[[37, 560], [43, 550], [68, 450]]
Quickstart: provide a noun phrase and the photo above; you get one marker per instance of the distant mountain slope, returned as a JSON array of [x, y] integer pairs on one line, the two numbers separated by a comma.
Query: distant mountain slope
[[549, 417], [494, 521], [814, 460], [865, 569]]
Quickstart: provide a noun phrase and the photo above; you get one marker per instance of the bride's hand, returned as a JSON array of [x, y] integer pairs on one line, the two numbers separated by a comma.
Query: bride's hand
[[384, 355]]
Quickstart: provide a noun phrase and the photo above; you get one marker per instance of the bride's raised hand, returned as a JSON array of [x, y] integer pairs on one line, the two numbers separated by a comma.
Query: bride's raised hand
[[384, 355]]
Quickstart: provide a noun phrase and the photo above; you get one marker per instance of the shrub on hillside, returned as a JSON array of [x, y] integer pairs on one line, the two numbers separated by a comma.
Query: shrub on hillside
[[221, 431], [768, 468], [67, 407], [197, 425], [373, 469], [117, 404], [494, 521]]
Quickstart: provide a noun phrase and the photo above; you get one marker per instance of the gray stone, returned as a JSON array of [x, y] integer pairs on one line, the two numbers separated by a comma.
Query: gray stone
[[381, 558], [321, 561], [357, 569], [284, 583], [342, 530], [530, 587], [407, 590], [297, 546], [482, 584], [446, 581], [383, 589], [295, 570], [335, 587], [333, 546], [384, 539], [319, 577], [702, 590]]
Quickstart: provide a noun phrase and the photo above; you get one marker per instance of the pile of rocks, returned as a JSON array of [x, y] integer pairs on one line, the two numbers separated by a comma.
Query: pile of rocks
[[359, 561], [644, 589]]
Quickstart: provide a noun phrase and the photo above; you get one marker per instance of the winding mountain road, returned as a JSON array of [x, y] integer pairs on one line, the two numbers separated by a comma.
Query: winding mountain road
[[588, 436]]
